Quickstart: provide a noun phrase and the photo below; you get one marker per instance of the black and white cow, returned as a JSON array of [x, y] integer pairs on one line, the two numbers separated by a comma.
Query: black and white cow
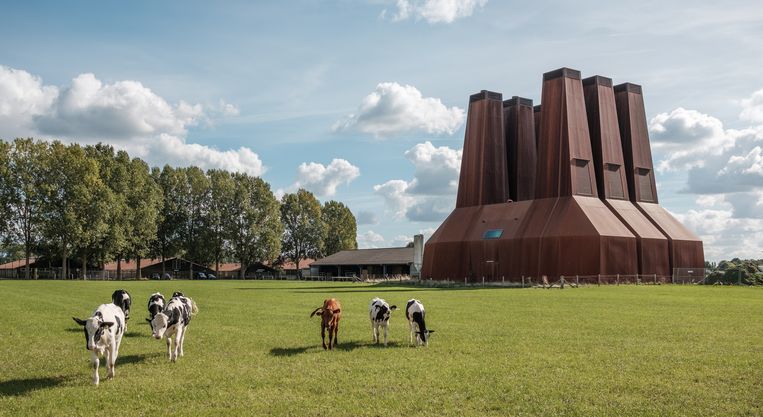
[[122, 300], [177, 294], [414, 312], [379, 312], [173, 321], [103, 335], [155, 304]]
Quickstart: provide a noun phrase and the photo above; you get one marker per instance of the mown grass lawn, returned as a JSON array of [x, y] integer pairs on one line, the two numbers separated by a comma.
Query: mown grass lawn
[[252, 350]]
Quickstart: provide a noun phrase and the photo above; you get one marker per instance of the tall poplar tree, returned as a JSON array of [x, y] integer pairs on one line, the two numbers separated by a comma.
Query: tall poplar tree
[[304, 229]]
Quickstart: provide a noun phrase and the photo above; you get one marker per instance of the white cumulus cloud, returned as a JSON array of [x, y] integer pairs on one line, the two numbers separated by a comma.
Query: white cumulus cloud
[[370, 239], [364, 217], [430, 195], [437, 169], [752, 108], [435, 11], [125, 114], [724, 169], [687, 137], [324, 179], [22, 97], [393, 109]]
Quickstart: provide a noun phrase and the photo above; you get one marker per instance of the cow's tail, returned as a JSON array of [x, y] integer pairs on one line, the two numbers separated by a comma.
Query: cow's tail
[[194, 308], [319, 309]]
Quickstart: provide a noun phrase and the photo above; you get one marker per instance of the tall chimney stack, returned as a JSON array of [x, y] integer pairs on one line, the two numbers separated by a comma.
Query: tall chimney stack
[[651, 244], [521, 151], [685, 248], [565, 160], [483, 179]]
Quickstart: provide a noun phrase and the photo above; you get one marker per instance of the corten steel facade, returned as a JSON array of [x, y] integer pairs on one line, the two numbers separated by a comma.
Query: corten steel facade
[[685, 248], [652, 245], [554, 190]]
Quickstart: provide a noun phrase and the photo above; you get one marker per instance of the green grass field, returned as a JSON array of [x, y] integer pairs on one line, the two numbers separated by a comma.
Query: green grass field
[[252, 350]]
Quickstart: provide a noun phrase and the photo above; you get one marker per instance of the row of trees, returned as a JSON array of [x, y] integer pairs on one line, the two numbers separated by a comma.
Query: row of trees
[[96, 205], [735, 271]]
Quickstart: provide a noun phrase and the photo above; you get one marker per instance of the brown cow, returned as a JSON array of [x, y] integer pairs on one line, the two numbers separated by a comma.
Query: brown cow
[[331, 312]]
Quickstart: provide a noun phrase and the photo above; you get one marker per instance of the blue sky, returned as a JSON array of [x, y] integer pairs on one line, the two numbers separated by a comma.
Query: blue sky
[[364, 101]]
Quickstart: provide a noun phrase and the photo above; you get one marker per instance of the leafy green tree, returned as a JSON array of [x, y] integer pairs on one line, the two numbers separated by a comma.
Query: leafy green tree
[[113, 168], [254, 222], [24, 194], [304, 229], [144, 204], [5, 187], [222, 199], [173, 213], [72, 200], [196, 199], [341, 227]]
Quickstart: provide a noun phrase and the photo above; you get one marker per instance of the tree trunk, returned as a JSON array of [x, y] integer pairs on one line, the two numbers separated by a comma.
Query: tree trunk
[[84, 265], [242, 269], [190, 270], [137, 266], [119, 268], [64, 274], [26, 268]]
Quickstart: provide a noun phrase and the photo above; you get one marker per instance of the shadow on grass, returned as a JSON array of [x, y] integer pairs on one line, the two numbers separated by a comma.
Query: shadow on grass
[[342, 346], [131, 359], [128, 334], [290, 351], [359, 290], [386, 286], [16, 387]]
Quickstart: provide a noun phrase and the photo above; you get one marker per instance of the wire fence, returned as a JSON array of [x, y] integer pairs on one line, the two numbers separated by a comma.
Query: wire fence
[[681, 276], [131, 274]]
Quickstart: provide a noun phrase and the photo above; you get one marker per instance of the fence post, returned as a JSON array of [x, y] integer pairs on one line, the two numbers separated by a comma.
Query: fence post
[[577, 280], [464, 280], [503, 279], [483, 280], [598, 280], [655, 279], [618, 279]]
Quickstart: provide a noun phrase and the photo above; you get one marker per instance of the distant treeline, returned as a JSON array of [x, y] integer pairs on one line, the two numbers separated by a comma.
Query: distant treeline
[[96, 205], [736, 271]]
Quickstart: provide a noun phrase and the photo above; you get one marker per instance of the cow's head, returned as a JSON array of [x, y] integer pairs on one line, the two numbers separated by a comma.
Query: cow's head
[[384, 311], [424, 336], [122, 299], [95, 330], [158, 325]]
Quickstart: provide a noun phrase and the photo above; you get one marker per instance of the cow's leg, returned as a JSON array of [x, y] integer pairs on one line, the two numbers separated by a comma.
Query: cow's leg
[[410, 324], [169, 347], [94, 362], [182, 342], [178, 335], [375, 331], [323, 336], [111, 359], [386, 325], [336, 333]]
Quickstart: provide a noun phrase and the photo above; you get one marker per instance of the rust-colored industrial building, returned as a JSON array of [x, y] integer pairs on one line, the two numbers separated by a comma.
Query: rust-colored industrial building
[[562, 189]]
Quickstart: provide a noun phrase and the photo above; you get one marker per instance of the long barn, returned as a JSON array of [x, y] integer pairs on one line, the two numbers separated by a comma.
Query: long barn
[[366, 263]]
